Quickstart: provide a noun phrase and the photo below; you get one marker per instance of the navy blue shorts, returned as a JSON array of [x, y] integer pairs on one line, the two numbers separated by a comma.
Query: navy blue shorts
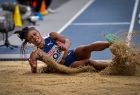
[[70, 58]]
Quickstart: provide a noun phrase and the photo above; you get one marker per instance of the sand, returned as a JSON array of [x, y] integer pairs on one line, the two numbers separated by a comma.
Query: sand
[[16, 79], [118, 79]]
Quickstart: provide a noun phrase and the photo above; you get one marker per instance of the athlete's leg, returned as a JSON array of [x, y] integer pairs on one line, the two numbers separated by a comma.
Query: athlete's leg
[[84, 52], [98, 65]]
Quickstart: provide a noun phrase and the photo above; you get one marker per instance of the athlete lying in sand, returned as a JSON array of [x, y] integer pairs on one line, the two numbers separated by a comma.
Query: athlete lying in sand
[[54, 51], [57, 46]]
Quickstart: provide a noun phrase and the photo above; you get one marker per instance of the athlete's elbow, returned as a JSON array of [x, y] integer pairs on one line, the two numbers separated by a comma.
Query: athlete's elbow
[[68, 41]]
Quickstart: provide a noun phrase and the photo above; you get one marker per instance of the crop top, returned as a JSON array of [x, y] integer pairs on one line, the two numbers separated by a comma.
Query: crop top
[[51, 48]]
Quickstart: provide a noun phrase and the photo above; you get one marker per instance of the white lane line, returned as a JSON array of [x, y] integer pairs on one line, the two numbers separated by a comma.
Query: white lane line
[[75, 16], [129, 36], [104, 23]]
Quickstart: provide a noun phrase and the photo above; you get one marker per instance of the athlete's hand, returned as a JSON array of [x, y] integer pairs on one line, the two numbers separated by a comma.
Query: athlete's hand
[[33, 65], [61, 46]]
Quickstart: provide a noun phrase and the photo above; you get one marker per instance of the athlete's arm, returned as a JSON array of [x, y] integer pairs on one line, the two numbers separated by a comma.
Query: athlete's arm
[[58, 37], [33, 61]]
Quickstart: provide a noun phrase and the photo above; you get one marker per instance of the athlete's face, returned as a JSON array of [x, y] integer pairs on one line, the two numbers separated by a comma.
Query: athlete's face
[[34, 37]]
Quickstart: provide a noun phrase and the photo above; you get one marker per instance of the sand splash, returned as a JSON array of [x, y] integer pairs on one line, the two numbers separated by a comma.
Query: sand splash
[[124, 60]]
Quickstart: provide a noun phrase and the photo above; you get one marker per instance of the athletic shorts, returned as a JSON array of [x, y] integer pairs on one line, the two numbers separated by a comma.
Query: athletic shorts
[[70, 58]]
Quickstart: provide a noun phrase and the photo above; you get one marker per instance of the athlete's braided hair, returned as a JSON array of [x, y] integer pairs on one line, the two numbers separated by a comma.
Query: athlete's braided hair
[[22, 34]]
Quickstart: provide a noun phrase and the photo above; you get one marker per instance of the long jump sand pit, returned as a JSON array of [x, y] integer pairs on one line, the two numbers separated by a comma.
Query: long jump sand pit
[[119, 78], [16, 79]]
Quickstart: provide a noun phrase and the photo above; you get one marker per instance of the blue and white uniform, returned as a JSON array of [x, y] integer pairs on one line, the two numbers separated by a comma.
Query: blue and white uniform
[[52, 49]]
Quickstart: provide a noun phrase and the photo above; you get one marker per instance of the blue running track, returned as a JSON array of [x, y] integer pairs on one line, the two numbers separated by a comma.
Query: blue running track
[[100, 18]]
